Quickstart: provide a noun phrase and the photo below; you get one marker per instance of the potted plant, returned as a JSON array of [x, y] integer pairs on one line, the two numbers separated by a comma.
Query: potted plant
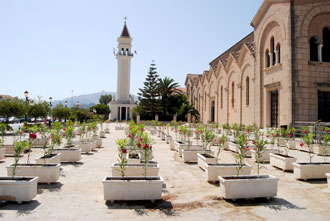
[[2, 151], [310, 170], [70, 152], [260, 153], [14, 188], [85, 144], [8, 148], [133, 188], [208, 138], [168, 137], [95, 138], [47, 173], [102, 132], [247, 186], [324, 148], [189, 152], [175, 129]]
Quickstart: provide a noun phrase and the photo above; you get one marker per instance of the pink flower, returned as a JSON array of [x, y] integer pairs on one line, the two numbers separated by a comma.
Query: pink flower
[[145, 146], [124, 150], [64, 129], [302, 144], [255, 148], [129, 136], [33, 136], [253, 141], [305, 131], [246, 148], [290, 135]]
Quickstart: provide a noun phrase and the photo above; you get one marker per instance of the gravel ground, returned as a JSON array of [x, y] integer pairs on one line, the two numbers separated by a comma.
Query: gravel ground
[[79, 193]]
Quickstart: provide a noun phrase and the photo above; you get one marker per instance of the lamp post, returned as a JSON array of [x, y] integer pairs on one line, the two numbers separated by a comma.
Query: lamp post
[[50, 111], [26, 94], [78, 104], [66, 105]]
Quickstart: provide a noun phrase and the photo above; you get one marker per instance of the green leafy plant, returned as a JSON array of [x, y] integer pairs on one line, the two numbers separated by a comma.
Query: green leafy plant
[[308, 139], [326, 139], [19, 147], [122, 153], [207, 139], [242, 148], [222, 141], [259, 150]]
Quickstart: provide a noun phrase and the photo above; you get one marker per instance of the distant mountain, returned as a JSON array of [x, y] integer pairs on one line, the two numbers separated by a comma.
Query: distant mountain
[[85, 100]]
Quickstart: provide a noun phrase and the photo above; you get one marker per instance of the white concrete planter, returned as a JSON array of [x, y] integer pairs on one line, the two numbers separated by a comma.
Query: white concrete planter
[[86, 146], [172, 145], [153, 131], [213, 171], [132, 188], [281, 161], [205, 158], [9, 148], [305, 171], [119, 128], [69, 154], [321, 150], [182, 147], [247, 187], [265, 155], [328, 179], [190, 156], [55, 158], [40, 142], [19, 189], [133, 170], [292, 144], [2, 153], [281, 142], [126, 130], [107, 130], [102, 134], [163, 136], [168, 139], [134, 160], [98, 140], [47, 173]]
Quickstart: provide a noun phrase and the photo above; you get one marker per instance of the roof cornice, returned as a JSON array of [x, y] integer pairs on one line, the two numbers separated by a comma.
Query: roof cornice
[[263, 9]]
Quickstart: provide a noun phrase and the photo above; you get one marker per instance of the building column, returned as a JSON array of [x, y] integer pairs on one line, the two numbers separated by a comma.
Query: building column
[[119, 114], [319, 50], [126, 113], [271, 59], [276, 57]]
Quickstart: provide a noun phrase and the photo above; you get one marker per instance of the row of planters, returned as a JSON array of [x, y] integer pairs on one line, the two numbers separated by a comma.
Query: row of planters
[[135, 176], [250, 143], [21, 183]]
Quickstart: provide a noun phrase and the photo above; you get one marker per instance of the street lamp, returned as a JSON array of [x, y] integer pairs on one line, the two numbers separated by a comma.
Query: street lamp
[[50, 111], [66, 103], [26, 94]]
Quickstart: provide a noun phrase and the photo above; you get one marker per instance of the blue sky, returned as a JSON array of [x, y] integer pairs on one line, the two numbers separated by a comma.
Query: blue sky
[[50, 47]]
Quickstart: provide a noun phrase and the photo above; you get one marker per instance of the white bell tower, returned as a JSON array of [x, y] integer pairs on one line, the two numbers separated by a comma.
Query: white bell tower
[[121, 107], [124, 56]]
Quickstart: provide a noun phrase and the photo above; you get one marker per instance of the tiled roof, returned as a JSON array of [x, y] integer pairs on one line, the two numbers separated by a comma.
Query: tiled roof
[[234, 50]]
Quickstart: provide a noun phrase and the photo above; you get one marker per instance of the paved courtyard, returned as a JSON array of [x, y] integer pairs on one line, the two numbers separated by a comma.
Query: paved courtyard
[[79, 193]]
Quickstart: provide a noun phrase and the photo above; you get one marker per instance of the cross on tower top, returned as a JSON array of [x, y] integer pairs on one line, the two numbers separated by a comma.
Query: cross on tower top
[[125, 18]]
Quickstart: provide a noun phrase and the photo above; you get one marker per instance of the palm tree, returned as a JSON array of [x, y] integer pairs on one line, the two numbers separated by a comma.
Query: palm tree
[[167, 87]]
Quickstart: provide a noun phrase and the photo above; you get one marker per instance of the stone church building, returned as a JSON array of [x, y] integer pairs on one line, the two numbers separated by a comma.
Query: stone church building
[[277, 75]]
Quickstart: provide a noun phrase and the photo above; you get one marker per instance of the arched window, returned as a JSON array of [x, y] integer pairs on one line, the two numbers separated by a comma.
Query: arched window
[[232, 94], [267, 58], [247, 91], [278, 50], [313, 48], [272, 51], [127, 52], [221, 97], [326, 45]]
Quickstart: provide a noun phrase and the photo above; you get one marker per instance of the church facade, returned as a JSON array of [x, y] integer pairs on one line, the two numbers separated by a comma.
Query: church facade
[[277, 75]]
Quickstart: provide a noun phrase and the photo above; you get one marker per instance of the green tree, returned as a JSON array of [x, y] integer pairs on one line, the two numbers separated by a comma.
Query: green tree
[[40, 109], [101, 109], [149, 94], [167, 87], [83, 115], [60, 112], [105, 99], [12, 108]]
